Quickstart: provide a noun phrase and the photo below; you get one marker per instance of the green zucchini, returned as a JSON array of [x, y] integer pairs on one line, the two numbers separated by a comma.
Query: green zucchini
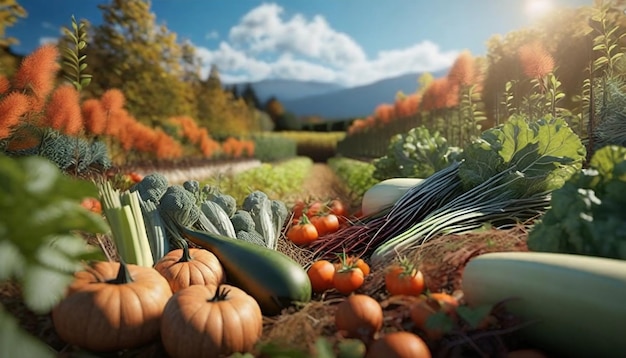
[[271, 277], [578, 302]]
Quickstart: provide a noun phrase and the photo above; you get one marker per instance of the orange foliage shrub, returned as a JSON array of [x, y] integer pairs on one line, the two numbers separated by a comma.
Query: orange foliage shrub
[[94, 117], [197, 136], [385, 113], [5, 84], [12, 108], [358, 125], [235, 148], [535, 60], [63, 111], [37, 73], [437, 94], [408, 105], [463, 70]]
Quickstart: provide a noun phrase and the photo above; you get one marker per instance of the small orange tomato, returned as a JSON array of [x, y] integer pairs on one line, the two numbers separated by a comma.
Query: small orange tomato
[[404, 279], [135, 177], [338, 208], [353, 261], [348, 279], [447, 302], [325, 224], [297, 209], [92, 204], [321, 275], [360, 263], [302, 233], [314, 208], [420, 312]]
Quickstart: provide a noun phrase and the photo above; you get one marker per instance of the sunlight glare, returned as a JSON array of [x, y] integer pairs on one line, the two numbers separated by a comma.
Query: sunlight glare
[[537, 8]]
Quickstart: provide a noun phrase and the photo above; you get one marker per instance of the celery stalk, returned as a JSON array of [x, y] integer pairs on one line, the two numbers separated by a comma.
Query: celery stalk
[[128, 231]]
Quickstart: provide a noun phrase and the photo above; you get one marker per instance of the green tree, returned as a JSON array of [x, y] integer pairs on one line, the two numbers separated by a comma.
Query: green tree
[[219, 111], [249, 95], [131, 52], [10, 13]]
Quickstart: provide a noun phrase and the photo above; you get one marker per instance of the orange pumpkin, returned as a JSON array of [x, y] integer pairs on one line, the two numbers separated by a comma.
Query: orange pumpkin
[[111, 306], [185, 267], [210, 321]]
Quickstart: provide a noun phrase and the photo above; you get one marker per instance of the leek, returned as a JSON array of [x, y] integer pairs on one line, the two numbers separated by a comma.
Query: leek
[[505, 176], [128, 231]]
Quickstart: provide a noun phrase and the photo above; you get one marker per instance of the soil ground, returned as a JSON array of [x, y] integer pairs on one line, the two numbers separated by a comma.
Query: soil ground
[[322, 183]]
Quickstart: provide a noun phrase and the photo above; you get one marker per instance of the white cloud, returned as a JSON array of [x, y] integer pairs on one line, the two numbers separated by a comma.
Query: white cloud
[[49, 26], [265, 45], [263, 30], [48, 40], [212, 35]]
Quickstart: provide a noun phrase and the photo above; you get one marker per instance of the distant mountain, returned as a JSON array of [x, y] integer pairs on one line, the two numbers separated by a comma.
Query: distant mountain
[[285, 90], [356, 101]]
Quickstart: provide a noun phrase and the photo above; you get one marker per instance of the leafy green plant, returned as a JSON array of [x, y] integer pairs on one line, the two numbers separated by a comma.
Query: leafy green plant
[[74, 63], [271, 147], [278, 180], [586, 214], [606, 42], [70, 154], [358, 176], [40, 215], [416, 154], [471, 113], [503, 177]]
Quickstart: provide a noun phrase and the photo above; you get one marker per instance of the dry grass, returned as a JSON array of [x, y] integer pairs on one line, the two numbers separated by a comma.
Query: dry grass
[[441, 260]]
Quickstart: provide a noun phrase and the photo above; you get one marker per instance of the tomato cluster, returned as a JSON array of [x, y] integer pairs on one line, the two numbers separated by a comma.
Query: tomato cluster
[[315, 219], [346, 276]]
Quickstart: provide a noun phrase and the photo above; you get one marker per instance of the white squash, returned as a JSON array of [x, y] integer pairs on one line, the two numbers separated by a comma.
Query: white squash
[[578, 302], [384, 194]]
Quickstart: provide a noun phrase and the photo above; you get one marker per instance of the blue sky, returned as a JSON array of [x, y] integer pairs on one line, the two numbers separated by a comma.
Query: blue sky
[[350, 42]]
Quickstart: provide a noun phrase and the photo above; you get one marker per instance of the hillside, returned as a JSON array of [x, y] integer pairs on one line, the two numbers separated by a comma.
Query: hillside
[[354, 102], [285, 90]]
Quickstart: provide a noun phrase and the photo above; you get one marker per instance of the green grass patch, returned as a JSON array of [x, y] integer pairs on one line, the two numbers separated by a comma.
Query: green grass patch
[[357, 175], [278, 180]]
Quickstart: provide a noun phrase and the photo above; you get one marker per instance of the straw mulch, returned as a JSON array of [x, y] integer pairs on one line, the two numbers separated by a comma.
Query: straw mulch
[[441, 260]]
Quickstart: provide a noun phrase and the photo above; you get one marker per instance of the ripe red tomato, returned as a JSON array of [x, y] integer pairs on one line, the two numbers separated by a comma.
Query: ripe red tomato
[[92, 204], [354, 261], [338, 208], [325, 224], [314, 208], [401, 280], [348, 280], [298, 209], [321, 275], [135, 177], [302, 233]]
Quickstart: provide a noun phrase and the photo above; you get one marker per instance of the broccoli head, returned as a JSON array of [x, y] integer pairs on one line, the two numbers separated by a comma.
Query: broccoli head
[[242, 221], [151, 187], [179, 205]]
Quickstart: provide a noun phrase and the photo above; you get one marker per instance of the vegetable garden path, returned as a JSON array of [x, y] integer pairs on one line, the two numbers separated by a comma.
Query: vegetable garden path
[[323, 183]]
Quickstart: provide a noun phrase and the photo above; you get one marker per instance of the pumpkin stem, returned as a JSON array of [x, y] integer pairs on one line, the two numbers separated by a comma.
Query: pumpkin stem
[[186, 256], [123, 275], [220, 294]]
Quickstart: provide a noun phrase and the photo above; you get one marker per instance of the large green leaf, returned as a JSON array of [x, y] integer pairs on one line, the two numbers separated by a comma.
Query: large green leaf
[[539, 155], [587, 213], [40, 216]]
